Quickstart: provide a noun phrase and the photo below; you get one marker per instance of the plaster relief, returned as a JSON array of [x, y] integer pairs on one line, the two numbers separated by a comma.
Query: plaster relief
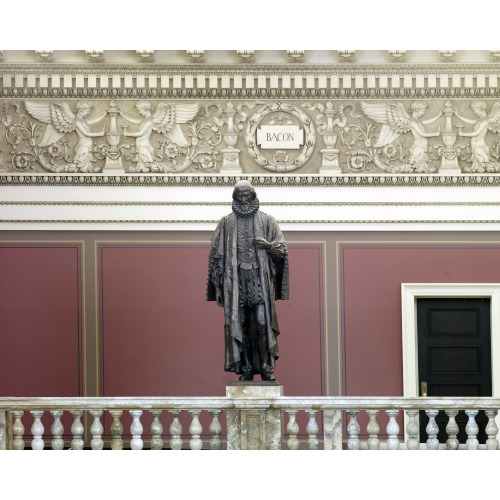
[[219, 137]]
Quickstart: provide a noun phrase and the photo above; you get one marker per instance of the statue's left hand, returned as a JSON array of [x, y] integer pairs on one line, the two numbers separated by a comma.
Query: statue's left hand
[[262, 243]]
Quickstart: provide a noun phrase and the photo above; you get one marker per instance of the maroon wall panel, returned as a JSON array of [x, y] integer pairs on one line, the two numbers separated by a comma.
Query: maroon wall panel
[[40, 311], [370, 294], [160, 337]]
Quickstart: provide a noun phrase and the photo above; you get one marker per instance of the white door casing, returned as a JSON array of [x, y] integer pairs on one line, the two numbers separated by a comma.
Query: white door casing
[[409, 294]]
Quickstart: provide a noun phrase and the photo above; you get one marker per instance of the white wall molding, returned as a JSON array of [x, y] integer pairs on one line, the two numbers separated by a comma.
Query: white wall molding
[[411, 291], [307, 208]]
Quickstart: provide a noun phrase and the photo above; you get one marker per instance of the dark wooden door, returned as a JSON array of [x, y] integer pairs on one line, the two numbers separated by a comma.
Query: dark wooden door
[[454, 356]]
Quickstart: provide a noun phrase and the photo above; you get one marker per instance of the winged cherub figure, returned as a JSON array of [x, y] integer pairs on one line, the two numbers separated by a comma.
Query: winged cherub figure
[[166, 121], [396, 121], [60, 121], [482, 161]]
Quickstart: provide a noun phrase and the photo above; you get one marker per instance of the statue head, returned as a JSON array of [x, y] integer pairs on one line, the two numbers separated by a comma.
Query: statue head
[[244, 198], [83, 107], [418, 108], [243, 186], [479, 107], [144, 107]]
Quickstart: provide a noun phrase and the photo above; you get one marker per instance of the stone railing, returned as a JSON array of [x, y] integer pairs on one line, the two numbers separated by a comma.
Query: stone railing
[[252, 423]]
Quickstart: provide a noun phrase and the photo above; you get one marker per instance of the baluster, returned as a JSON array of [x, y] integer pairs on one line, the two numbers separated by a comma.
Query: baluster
[[471, 429], [373, 429], [57, 430], [77, 430], [136, 430], [353, 430], [215, 430], [392, 430], [116, 430], [412, 430], [452, 430], [37, 431], [156, 430], [312, 430], [491, 430], [293, 429], [176, 431], [195, 429], [432, 430], [96, 429], [18, 430]]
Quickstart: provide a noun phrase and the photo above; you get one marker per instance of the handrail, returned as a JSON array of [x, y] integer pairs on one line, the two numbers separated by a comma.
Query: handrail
[[224, 403], [269, 420]]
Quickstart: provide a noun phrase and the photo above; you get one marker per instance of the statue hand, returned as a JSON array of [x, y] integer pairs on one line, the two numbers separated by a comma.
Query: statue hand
[[219, 298], [262, 243]]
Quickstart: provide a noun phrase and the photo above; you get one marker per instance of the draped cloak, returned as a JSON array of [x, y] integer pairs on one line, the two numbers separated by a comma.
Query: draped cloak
[[223, 274]]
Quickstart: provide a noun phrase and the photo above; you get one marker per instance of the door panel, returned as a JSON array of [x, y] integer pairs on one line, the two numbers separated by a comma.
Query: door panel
[[454, 355]]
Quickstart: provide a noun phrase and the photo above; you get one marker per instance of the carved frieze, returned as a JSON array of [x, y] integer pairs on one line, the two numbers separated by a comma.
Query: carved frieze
[[95, 56], [346, 56], [296, 56], [146, 56], [397, 55], [246, 56], [196, 56], [45, 56], [448, 56], [327, 137], [494, 55]]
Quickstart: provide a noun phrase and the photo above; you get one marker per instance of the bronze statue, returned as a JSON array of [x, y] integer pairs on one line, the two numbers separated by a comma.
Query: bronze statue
[[248, 271]]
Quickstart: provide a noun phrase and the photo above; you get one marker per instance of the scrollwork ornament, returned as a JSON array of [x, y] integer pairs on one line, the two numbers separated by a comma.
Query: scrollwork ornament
[[277, 112], [357, 161], [21, 161], [206, 161]]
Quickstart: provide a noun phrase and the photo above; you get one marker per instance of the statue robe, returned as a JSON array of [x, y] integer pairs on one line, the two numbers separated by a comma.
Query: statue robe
[[223, 274]]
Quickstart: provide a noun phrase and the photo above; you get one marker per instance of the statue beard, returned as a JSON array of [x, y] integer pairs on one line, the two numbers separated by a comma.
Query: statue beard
[[246, 209]]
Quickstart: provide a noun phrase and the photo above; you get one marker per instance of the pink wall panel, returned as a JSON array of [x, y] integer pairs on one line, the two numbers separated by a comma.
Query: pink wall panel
[[160, 337], [370, 295], [40, 311]]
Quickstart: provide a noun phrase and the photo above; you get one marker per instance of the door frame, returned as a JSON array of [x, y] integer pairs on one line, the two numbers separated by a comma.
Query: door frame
[[410, 292]]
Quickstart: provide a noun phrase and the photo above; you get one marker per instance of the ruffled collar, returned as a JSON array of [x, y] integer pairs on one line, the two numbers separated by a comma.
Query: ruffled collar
[[254, 207]]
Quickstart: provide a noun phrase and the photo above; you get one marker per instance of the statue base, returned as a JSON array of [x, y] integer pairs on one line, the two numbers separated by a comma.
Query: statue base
[[255, 429]]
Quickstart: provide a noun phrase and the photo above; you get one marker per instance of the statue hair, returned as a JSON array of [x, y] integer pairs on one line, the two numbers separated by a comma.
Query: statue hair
[[143, 104], [83, 104], [479, 104], [244, 184], [418, 105]]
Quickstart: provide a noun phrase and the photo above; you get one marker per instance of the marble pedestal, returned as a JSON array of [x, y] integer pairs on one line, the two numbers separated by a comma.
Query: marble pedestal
[[256, 428]]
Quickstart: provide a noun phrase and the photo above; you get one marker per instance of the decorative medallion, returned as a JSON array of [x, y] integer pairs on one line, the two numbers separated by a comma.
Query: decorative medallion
[[280, 137]]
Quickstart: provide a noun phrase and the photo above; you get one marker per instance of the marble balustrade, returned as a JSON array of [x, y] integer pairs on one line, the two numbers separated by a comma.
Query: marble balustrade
[[329, 423]]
